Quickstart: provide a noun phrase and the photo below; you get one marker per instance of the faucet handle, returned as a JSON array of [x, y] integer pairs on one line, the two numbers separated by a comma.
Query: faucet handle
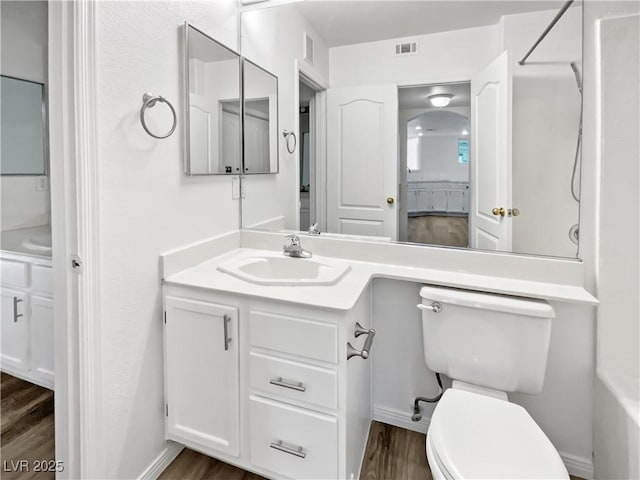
[[293, 239]]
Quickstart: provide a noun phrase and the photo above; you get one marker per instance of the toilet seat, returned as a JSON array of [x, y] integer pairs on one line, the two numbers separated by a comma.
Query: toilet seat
[[473, 436]]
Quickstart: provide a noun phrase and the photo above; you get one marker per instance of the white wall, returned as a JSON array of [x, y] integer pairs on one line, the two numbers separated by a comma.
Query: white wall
[[148, 206], [546, 114], [611, 253], [273, 38], [24, 55], [439, 160], [563, 409], [443, 57]]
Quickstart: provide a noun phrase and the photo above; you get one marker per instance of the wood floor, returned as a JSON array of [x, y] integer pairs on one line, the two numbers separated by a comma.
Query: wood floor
[[26, 427], [439, 230]]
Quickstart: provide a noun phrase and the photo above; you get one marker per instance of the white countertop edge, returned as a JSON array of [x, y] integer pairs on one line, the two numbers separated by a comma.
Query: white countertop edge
[[344, 294]]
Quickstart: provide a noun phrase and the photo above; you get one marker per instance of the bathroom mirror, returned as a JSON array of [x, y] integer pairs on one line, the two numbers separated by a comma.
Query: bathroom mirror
[[23, 127], [260, 127], [418, 122], [212, 84]]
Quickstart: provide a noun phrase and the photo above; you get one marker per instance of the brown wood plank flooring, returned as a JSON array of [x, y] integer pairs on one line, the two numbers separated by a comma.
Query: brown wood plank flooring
[[439, 230], [26, 426]]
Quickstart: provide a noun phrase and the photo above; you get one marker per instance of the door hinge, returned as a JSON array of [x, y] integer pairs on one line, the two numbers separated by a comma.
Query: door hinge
[[166, 409], [165, 316]]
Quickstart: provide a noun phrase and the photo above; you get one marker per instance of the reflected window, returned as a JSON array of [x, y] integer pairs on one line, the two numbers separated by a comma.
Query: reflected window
[[463, 151]]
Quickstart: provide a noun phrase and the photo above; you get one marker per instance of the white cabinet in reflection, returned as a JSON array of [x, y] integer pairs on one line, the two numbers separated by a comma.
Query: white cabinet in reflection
[[438, 197]]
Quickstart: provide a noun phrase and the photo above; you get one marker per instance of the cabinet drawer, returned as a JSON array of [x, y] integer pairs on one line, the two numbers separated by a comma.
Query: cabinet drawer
[[297, 336], [293, 380], [309, 440], [15, 274], [42, 279]]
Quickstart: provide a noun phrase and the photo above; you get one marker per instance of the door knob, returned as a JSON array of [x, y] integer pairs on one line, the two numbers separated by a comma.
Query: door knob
[[498, 212], [390, 200]]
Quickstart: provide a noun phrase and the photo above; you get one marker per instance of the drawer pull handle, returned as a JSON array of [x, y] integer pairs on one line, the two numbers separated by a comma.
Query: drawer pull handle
[[290, 449], [16, 315], [279, 382], [227, 339], [366, 349]]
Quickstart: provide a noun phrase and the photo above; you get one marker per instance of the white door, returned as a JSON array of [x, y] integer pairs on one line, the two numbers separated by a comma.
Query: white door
[[41, 338], [14, 332], [362, 160], [490, 166], [202, 377]]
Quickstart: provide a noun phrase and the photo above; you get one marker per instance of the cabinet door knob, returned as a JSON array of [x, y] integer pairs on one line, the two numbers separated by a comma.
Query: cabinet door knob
[[390, 200]]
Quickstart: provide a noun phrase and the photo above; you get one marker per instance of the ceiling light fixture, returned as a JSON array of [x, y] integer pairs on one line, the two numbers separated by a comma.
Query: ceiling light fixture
[[418, 127], [440, 100], [465, 132], [420, 134]]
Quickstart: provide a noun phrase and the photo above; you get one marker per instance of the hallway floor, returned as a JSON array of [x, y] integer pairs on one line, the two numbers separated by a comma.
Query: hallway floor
[[439, 230], [27, 427]]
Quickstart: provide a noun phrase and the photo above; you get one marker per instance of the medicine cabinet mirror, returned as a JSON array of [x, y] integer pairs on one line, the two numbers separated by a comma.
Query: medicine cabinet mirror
[[419, 121], [23, 127], [260, 127], [213, 126]]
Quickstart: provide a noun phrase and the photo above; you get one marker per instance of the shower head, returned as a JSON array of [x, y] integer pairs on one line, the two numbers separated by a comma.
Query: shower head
[[578, 76]]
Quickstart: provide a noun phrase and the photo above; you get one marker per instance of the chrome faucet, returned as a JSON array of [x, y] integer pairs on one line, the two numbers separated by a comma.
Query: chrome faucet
[[314, 229], [293, 248]]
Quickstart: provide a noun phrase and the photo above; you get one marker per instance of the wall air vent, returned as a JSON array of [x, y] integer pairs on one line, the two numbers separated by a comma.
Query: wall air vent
[[407, 48], [307, 47]]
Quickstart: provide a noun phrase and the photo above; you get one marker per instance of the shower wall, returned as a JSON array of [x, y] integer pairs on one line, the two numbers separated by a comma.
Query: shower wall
[[546, 115]]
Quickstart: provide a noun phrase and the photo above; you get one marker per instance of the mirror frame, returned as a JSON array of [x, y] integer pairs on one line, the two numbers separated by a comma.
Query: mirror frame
[[187, 123], [45, 131], [277, 139]]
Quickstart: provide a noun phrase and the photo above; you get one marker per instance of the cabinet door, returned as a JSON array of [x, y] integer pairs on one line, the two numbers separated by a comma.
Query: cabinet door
[[202, 374], [42, 343], [14, 335], [424, 200]]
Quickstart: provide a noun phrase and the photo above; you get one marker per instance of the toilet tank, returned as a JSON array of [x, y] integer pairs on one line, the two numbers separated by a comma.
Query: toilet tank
[[490, 340]]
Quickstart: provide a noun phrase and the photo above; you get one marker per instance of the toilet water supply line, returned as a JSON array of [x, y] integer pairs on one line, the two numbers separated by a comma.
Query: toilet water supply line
[[417, 416]]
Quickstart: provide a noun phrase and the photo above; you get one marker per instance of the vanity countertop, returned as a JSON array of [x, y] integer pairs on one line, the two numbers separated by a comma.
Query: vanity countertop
[[344, 294], [12, 240]]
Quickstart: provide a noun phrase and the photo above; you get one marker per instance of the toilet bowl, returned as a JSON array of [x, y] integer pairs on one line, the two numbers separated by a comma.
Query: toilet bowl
[[476, 436], [489, 345]]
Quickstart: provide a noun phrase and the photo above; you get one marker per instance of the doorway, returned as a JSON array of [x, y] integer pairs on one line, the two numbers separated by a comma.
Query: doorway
[[435, 137]]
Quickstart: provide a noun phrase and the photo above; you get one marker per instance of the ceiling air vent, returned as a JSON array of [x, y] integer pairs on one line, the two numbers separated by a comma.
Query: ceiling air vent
[[308, 48], [406, 48]]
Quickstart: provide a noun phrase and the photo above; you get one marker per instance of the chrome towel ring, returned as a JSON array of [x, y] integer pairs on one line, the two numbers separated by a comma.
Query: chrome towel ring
[[288, 134], [149, 100]]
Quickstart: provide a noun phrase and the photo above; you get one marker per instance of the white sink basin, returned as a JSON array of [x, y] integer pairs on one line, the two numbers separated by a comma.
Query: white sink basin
[[276, 269], [38, 243]]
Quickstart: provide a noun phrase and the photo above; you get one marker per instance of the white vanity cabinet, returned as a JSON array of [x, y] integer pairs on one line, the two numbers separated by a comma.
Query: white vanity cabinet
[[26, 335], [202, 374], [284, 394]]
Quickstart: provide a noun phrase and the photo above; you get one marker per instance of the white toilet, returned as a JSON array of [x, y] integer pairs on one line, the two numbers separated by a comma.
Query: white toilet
[[488, 344]]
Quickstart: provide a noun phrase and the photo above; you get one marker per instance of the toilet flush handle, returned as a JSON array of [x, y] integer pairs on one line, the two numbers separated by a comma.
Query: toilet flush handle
[[435, 307]]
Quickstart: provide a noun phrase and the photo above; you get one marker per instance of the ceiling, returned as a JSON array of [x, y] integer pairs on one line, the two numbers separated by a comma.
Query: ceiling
[[416, 97], [345, 22], [438, 122]]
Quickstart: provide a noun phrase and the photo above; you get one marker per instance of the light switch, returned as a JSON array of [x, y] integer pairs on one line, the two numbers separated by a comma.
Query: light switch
[[42, 184], [235, 188]]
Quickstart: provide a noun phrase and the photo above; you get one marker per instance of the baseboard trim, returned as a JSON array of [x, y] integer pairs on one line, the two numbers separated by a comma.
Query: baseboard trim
[[578, 466], [399, 418], [162, 461], [27, 376]]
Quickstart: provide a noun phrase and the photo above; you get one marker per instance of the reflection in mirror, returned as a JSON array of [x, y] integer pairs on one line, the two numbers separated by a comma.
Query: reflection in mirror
[[424, 125], [23, 128], [260, 119], [213, 106]]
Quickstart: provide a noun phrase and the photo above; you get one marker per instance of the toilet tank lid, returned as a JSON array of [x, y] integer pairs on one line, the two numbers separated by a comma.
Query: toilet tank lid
[[488, 301]]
